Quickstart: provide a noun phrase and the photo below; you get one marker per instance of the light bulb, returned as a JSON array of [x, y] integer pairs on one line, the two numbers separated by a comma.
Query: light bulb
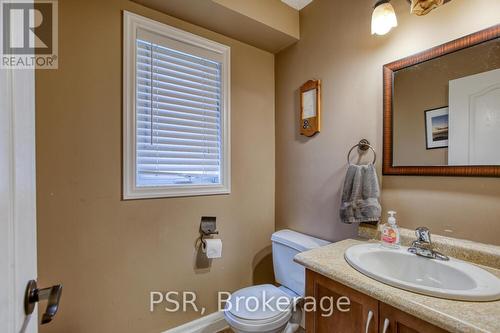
[[383, 19]]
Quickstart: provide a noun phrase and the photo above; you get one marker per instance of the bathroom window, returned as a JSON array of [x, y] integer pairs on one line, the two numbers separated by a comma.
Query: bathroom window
[[176, 112]]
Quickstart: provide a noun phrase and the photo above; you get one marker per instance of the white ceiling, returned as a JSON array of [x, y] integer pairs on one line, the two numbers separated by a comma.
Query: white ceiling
[[297, 4]]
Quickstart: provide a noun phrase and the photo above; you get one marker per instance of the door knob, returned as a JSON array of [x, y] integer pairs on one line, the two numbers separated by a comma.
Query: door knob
[[34, 295]]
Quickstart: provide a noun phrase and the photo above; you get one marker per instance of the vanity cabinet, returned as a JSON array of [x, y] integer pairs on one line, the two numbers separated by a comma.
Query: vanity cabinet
[[401, 322], [362, 310], [365, 315]]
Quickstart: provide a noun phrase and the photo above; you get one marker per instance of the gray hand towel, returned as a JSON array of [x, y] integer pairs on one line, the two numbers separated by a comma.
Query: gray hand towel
[[360, 196]]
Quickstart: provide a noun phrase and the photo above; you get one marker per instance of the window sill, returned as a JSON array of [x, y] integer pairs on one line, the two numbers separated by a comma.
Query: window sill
[[174, 192]]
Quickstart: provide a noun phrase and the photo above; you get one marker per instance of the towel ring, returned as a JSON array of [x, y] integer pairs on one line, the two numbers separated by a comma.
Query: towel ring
[[363, 145]]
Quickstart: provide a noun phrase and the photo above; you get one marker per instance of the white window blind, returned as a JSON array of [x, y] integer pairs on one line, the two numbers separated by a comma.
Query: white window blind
[[179, 119]]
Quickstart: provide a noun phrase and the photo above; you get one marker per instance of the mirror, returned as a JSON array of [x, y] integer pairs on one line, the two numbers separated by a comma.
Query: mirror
[[442, 109]]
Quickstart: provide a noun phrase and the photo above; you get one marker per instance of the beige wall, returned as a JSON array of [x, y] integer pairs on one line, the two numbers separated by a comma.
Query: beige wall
[[336, 46], [109, 253], [273, 13], [425, 87], [267, 24], [416, 90]]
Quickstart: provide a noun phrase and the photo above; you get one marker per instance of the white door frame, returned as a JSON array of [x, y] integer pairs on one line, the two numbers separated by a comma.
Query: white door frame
[[465, 120], [17, 198]]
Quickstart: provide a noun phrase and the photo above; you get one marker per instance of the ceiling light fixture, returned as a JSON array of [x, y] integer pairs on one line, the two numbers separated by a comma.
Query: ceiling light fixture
[[383, 18]]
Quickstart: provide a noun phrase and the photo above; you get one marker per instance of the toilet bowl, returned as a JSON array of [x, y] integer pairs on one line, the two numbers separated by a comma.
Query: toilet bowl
[[245, 312], [266, 308]]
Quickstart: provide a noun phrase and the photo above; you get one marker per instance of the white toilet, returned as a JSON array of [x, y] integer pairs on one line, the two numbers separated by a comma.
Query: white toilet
[[246, 311]]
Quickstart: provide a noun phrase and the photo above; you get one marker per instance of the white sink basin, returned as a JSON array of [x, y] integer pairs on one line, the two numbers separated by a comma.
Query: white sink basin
[[453, 279]]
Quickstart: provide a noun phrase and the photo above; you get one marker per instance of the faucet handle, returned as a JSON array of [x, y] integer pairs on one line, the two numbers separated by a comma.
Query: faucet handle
[[423, 235]]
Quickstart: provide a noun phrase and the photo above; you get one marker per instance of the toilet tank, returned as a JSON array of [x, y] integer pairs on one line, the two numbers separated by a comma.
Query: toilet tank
[[286, 245]]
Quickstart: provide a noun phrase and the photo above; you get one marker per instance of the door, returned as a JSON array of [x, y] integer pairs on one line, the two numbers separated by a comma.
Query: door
[[474, 120], [17, 198], [362, 316], [393, 320]]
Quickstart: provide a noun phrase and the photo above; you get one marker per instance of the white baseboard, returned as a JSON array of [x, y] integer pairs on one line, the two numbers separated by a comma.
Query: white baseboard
[[211, 323]]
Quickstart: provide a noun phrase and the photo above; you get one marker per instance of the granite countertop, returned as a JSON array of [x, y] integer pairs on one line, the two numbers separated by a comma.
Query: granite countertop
[[453, 316]]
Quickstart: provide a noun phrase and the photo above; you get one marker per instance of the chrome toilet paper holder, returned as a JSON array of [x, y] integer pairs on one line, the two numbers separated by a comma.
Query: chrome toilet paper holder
[[208, 227]]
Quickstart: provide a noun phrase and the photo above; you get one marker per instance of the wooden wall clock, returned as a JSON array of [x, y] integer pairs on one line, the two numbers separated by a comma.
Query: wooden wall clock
[[310, 108]]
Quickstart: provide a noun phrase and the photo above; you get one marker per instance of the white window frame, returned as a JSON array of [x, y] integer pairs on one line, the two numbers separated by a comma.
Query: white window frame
[[131, 24]]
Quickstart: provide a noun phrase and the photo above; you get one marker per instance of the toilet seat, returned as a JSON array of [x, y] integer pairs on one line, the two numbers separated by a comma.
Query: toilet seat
[[242, 325], [253, 315]]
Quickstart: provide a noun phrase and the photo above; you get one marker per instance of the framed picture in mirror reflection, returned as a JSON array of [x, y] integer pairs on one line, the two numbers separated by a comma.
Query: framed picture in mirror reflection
[[436, 128]]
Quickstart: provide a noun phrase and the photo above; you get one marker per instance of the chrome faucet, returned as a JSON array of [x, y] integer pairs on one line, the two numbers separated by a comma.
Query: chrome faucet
[[422, 246]]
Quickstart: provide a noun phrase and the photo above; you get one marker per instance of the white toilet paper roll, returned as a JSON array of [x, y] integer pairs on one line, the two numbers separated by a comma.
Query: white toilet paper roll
[[213, 249]]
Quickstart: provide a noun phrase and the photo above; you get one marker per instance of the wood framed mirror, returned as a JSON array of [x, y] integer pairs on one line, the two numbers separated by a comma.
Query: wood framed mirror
[[442, 109]]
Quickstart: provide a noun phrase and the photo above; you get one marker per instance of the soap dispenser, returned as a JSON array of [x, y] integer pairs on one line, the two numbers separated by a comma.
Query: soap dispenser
[[390, 232]]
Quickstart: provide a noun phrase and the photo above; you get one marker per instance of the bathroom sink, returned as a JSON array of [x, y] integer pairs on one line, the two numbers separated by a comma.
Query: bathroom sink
[[453, 279]]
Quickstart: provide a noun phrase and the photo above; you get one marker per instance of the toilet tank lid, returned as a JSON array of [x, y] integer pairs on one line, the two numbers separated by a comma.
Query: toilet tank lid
[[297, 241]]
